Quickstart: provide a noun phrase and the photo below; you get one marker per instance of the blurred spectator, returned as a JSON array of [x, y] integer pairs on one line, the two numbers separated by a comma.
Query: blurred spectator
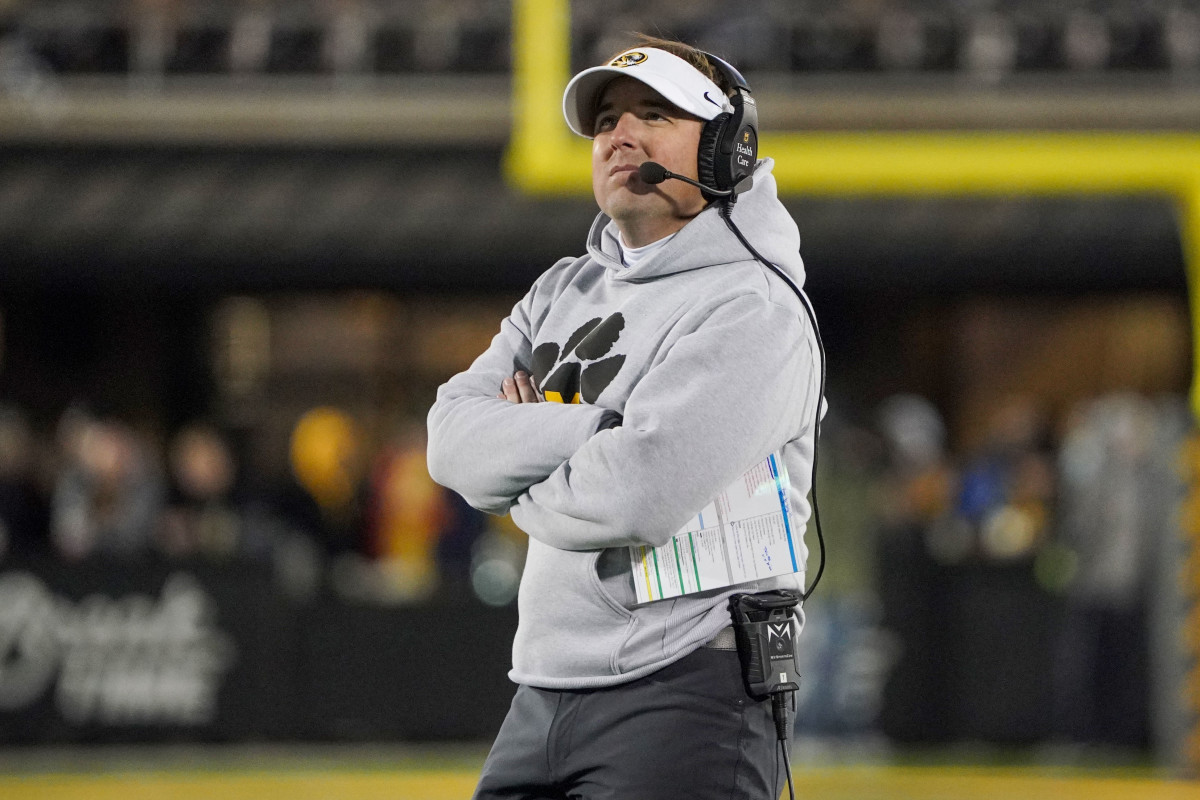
[[346, 47], [109, 491], [1181, 35], [250, 37], [848, 653], [418, 536], [1008, 487], [497, 553], [24, 511], [407, 514], [1118, 493], [328, 459], [438, 34], [201, 518], [915, 529], [153, 32], [920, 481]]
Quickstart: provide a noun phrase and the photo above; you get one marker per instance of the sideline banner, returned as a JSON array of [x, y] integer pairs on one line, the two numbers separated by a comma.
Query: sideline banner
[[105, 651], [117, 652]]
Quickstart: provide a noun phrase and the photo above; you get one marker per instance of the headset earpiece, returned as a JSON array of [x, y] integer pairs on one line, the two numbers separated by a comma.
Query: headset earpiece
[[729, 142], [707, 160]]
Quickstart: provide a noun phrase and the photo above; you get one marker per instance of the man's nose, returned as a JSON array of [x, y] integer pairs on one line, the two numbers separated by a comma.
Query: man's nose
[[624, 132]]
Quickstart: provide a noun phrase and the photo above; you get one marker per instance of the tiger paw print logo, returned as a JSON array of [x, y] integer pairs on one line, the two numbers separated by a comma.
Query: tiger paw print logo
[[582, 368]]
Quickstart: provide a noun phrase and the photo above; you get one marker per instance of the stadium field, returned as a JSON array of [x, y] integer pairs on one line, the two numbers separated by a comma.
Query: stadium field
[[446, 776]]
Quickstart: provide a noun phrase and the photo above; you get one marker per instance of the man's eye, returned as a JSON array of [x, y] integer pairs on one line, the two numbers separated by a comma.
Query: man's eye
[[605, 124]]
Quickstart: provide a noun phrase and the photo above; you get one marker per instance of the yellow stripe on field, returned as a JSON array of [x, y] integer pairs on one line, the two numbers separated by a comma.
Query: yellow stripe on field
[[964, 783], [839, 783], [419, 785]]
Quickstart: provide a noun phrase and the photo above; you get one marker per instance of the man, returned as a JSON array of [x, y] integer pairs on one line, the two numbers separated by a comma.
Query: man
[[674, 361]]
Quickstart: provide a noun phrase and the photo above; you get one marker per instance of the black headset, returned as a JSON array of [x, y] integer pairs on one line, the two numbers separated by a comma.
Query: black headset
[[729, 141]]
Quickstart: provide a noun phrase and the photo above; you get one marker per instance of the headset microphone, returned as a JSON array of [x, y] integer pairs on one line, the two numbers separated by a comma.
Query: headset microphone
[[653, 173]]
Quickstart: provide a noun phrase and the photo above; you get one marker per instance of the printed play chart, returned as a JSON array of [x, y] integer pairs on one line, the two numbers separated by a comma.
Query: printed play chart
[[744, 534]]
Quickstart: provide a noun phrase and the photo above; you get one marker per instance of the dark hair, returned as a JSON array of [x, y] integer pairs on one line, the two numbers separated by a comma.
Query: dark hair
[[688, 53]]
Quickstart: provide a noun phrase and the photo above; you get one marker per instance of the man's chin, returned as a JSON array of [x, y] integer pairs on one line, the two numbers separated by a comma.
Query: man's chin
[[630, 209]]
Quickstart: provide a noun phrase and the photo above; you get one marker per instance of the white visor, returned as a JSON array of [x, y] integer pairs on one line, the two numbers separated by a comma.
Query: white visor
[[675, 79]]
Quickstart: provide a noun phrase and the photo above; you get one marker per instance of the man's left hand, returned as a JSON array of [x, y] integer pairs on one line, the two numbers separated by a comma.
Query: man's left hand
[[519, 389]]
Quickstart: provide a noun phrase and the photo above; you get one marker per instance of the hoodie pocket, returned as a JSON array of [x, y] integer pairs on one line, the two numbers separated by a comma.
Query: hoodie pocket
[[602, 591]]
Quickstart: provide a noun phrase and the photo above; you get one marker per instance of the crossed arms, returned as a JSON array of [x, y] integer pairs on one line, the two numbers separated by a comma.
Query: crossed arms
[[725, 395]]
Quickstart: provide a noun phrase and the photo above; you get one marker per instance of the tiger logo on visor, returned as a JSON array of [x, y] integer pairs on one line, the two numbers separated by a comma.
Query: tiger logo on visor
[[628, 59]]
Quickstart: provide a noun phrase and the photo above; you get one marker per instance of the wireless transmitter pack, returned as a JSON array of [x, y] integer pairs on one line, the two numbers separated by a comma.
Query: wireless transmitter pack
[[766, 641]]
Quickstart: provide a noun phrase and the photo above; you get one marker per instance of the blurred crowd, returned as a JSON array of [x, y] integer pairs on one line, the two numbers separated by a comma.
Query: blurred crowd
[[365, 521], [989, 38], [1081, 504], [1081, 510]]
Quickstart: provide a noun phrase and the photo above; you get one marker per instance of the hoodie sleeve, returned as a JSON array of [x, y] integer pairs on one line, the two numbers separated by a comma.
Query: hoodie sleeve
[[490, 450], [727, 394]]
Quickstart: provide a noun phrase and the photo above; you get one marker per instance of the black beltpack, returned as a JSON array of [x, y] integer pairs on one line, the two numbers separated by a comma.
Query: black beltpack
[[766, 641]]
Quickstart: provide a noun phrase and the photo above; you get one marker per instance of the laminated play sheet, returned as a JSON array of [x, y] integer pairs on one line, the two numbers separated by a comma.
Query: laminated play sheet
[[744, 534]]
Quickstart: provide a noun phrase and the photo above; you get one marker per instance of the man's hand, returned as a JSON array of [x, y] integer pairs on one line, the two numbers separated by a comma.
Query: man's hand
[[519, 389]]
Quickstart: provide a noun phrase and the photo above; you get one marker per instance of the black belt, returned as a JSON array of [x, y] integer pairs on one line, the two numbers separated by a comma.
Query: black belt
[[724, 640]]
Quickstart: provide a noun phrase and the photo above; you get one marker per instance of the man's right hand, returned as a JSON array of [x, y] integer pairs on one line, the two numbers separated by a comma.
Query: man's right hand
[[519, 389]]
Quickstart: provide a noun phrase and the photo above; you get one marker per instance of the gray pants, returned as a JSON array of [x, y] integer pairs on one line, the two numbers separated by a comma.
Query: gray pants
[[687, 731]]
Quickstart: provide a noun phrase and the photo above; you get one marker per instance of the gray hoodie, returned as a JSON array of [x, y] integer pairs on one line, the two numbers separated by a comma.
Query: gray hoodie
[[675, 376]]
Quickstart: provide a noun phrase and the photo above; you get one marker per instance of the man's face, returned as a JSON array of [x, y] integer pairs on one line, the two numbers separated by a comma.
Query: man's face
[[635, 124]]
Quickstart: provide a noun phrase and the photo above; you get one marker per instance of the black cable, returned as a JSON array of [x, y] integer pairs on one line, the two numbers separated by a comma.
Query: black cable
[[779, 699], [787, 764], [779, 711], [727, 215]]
